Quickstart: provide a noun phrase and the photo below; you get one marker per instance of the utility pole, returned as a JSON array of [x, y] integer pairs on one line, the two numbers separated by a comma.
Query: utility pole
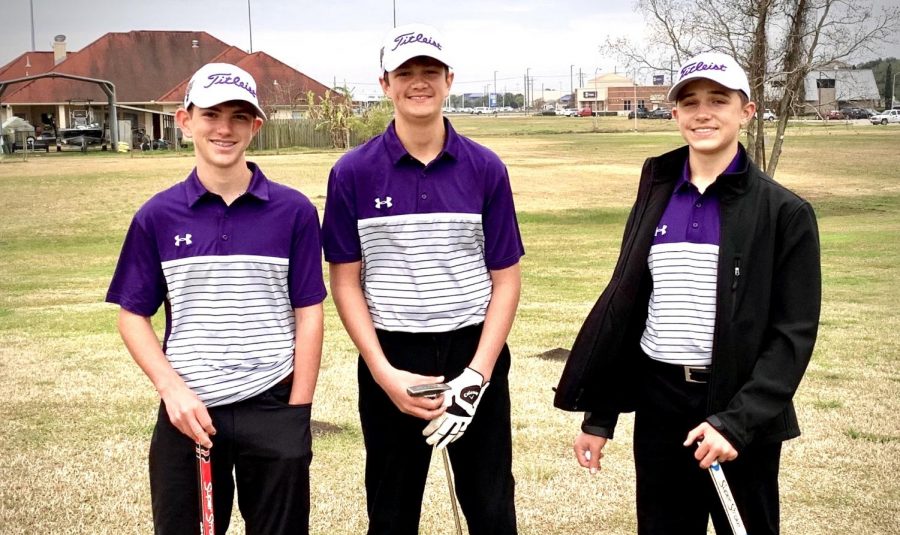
[[571, 85], [395, 13], [31, 3], [250, 24], [495, 89], [527, 91]]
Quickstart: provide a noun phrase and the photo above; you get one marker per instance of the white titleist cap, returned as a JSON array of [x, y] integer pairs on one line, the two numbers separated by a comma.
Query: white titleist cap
[[715, 66], [215, 83], [410, 41]]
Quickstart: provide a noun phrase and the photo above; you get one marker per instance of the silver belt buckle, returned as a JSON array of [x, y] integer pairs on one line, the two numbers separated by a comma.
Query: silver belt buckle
[[689, 369]]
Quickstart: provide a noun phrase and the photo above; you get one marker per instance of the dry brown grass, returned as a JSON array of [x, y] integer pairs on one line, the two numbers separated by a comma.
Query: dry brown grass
[[77, 413]]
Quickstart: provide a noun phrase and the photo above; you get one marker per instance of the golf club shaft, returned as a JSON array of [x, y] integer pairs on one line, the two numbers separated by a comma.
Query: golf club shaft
[[727, 499], [449, 472], [204, 478]]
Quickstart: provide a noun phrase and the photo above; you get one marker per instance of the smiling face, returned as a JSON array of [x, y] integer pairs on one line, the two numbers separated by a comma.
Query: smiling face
[[221, 133], [418, 89], [710, 116]]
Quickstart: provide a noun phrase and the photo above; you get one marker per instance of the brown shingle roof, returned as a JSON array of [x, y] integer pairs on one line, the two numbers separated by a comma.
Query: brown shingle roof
[[292, 84], [143, 65], [146, 66], [28, 64]]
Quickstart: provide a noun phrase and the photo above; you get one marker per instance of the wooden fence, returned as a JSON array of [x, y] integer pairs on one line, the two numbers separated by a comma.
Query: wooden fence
[[282, 133]]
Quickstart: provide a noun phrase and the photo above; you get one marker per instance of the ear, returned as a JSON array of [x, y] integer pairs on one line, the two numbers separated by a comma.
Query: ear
[[257, 124], [450, 78], [385, 84], [183, 120], [748, 111]]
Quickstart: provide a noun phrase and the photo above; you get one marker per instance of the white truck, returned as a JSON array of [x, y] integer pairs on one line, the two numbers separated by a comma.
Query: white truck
[[885, 117]]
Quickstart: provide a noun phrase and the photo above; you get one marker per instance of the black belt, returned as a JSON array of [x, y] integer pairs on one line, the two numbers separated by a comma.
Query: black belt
[[696, 374], [690, 374]]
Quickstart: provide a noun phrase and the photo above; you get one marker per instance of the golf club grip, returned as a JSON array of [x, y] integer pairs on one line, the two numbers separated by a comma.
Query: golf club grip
[[204, 471], [727, 499]]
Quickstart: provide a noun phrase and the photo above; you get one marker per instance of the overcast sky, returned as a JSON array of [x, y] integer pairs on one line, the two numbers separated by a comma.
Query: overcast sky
[[338, 41]]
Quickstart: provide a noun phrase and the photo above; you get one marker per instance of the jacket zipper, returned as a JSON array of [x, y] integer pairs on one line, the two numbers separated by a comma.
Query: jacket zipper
[[737, 273]]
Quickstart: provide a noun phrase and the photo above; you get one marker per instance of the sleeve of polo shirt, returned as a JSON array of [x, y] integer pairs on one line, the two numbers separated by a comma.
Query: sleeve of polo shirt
[[340, 235], [502, 241], [306, 284], [138, 284]]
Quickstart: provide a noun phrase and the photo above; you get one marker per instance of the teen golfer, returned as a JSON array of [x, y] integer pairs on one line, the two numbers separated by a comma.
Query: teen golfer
[[708, 323], [236, 260], [421, 237]]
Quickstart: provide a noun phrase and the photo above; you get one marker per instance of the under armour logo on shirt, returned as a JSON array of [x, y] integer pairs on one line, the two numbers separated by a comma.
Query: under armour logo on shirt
[[179, 240], [386, 202], [661, 231]]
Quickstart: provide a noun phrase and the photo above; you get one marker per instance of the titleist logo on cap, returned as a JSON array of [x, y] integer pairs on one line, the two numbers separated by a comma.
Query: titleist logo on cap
[[227, 78], [700, 66], [412, 37]]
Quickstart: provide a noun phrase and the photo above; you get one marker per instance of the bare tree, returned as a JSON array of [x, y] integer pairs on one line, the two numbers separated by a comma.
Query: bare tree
[[778, 42]]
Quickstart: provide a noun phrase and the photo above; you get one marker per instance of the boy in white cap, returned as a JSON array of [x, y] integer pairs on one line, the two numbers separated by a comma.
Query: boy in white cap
[[709, 322], [421, 235], [236, 260]]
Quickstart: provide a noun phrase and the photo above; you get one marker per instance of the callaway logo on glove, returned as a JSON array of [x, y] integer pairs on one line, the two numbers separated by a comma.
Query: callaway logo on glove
[[461, 401]]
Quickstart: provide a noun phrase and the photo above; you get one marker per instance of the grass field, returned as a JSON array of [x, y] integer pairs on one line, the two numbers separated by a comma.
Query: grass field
[[77, 413]]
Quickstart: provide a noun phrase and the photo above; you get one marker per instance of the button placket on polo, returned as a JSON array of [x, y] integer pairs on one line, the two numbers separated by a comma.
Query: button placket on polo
[[421, 188], [226, 230]]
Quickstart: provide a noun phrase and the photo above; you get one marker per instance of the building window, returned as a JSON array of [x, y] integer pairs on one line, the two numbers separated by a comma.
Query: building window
[[627, 104], [825, 83], [641, 104]]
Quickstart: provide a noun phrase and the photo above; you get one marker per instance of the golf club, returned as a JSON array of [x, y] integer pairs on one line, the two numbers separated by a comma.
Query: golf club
[[727, 499], [433, 390], [449, 472], [204, 470]]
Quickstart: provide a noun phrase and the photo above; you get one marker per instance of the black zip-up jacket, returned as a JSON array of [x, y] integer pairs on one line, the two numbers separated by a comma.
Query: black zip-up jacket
[[768, 297]]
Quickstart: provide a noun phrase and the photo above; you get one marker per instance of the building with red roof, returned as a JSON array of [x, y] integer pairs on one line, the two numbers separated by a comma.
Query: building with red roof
[[150, 71]]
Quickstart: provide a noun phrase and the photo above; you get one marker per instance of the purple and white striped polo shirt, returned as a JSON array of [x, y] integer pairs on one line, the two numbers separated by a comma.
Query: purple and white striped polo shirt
[[427, 235], [683, 261], [230, 278]]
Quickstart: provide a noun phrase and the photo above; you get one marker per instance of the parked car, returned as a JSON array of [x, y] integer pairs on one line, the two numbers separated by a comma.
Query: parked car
[[855, 113], [835, 115], [660, 113], [885, 117], [567, 112], [769, 115], [641, 113], [584, 112], [484, 110]]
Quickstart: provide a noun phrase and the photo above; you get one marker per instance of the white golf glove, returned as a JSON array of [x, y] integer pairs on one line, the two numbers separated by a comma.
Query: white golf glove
[[461, 401]]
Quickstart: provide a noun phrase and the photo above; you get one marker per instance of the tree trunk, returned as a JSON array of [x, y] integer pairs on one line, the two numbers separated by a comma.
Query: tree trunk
[[756, 142], [795, 70]]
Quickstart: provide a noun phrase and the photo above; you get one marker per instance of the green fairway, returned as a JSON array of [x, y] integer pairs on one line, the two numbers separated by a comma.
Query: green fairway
[[78, 413]]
